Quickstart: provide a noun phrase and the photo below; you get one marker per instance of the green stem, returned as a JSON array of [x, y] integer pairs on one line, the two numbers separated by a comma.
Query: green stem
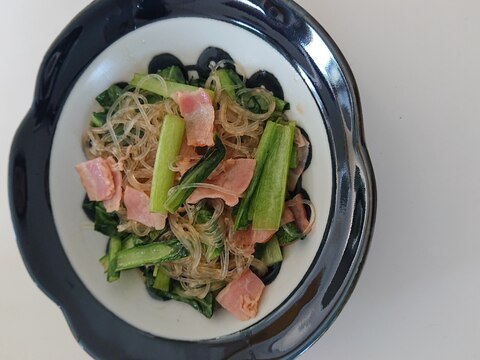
[[114, 246], [196, 174], [150, 254], [264, 148], [171, 137], [165, 89], [270, 195]]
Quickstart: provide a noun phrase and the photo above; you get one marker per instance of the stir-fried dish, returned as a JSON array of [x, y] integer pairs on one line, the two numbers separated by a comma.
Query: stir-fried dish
[[194, 181]]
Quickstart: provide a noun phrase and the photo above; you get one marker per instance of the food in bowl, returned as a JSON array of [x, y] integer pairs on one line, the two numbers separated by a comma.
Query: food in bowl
[[195, 180]]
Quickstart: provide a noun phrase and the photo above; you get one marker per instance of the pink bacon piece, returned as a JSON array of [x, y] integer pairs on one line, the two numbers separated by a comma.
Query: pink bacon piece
[[138, 209], [234, 177], [242, 295], [197, 109], [113, 204], [97, 179]]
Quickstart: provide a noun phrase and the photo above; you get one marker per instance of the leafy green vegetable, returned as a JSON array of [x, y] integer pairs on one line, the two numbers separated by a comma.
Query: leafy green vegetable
[[154, 235], [107, 98], [99, 119], [152, 98], [150, 254], [105, 222], [89, 208], [197, 82], [204, 306], [173, 73], [211, 252], [196, 174], [288, 233], [232, 82]]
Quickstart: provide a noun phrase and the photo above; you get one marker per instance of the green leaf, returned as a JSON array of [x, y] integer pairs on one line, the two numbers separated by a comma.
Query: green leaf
[[99, 119], [107, 98], [106, 223], [173, 73], [288, 233], [204, 306], [196, 174]]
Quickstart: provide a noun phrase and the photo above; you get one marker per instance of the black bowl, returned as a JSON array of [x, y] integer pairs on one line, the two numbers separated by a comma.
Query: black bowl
[[319, 297]]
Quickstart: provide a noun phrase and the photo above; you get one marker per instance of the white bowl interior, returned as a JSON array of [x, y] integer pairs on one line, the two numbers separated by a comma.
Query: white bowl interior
[[128, 298]]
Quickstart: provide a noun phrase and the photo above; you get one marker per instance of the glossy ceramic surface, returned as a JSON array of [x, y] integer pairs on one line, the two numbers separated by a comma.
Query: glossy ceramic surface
[[303, 317]]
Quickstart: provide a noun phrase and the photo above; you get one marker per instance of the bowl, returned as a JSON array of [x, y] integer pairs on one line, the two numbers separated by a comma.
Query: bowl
[[108, 42]]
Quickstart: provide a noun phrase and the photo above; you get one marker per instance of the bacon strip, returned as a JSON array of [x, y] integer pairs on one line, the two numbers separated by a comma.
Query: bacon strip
[[96, 177], [235, 177], [197, 109], [242, 295], [138, 209], [187, 158], [113, 204]]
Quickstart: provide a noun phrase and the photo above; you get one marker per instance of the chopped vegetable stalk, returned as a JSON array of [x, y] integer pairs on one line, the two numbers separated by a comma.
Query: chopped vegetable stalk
[[150, 254], [270, 253], [270, 195], [196, 174], [114, 246], [293, 158], [170, 142], [230, 82], [264, 148], [288, 233], [166, 89], [281, 105], [162, 279]]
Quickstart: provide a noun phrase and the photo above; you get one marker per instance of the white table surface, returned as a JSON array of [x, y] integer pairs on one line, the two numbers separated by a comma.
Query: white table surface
[[417, 67]]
